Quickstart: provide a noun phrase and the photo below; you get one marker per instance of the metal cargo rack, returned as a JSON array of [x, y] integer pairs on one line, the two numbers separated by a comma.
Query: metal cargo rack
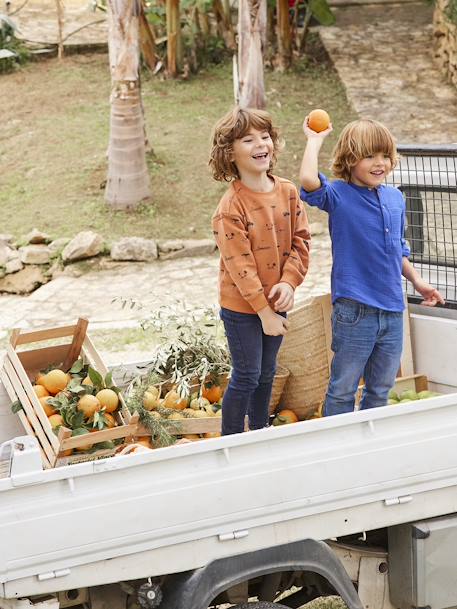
[[427, 175]]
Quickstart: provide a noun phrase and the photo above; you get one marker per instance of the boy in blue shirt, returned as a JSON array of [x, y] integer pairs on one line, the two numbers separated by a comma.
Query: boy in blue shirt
[[370, 254]]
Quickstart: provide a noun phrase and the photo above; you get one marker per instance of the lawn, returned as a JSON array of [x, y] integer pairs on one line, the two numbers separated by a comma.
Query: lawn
[[55, 120]]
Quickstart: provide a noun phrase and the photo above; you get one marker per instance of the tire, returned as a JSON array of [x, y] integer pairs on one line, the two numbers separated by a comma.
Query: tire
[[260, 605]]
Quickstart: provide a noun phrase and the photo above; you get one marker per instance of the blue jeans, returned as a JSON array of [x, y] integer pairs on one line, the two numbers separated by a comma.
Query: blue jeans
[[367, 342], [253, 369]]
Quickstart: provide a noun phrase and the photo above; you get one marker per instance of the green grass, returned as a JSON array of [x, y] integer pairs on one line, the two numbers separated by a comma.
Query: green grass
[[53, 144]]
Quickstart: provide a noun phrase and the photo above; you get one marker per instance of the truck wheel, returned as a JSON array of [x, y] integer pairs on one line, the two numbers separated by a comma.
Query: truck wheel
[[260, 605]]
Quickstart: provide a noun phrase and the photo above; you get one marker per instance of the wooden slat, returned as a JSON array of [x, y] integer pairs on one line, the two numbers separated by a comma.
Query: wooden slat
[[407, 364], [77, 342], [105, 435], [95, 360], [15, 390], [32, 360], [188, 425], [22, 416], [29, 431], [34, 336], [33, 398]]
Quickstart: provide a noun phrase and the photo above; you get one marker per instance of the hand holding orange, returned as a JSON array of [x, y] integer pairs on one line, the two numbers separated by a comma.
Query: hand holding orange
[[318, 120]]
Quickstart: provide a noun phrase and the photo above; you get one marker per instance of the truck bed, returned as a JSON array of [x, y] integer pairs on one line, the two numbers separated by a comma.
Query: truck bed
[[178, 508]]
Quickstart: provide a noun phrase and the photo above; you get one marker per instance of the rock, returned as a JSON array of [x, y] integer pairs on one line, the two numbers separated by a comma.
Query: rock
[[316, 228], [86, 244], [35, 236], [24, 281], [14, 264], [58, 245], [5, 238], [134, 248], [35, 254], [191, 247], [5, 253], [171, 245]]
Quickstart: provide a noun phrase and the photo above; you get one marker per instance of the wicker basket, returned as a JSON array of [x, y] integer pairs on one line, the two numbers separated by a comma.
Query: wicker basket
[[306, 352], [279, 383]]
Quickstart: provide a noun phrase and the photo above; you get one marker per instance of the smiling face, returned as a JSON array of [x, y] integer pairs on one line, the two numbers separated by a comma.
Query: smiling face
[[253, 153], [371, 170]]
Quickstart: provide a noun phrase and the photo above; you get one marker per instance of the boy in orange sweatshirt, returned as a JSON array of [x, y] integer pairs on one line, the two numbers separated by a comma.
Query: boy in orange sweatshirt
[[262, 233]]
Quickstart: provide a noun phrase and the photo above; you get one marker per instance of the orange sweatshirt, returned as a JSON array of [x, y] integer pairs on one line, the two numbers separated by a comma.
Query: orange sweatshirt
[[263, 238]]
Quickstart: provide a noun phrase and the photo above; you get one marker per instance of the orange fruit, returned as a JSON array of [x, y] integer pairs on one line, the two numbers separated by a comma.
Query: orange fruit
[[144, 441], [194, 437], [56, 420], [39, 379], [318, 120], [87, 381], [49, 410], [151, 398], [212, 393], [108, 399], [285, 416], [40, 391], [110, 420], [89, 405], [212, 434], [66, 453], [55, 380], [173, 400]]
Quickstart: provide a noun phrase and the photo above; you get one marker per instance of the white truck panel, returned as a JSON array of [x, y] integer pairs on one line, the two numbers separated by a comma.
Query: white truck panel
[[361, 470]]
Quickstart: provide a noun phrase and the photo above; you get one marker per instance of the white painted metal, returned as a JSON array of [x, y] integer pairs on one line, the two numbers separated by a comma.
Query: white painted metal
[[164, 511]]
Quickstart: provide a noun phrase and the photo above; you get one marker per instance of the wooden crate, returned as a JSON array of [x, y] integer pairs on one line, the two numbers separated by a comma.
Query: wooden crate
[[21, 367]]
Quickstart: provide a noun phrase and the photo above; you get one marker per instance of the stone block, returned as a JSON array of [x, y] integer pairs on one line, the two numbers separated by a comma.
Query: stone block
[[35, 254], [134, 248], [85, 244], [24, 281], [191, 247]]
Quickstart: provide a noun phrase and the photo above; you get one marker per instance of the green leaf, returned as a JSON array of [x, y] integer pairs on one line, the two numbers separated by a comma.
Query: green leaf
[[109, 380], [322, 12], [75, 386], [79, 431], [95, 377], [77, 366], [16, 407]]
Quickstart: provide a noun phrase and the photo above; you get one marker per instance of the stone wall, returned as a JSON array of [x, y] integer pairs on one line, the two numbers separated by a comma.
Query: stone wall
[[445, 46]]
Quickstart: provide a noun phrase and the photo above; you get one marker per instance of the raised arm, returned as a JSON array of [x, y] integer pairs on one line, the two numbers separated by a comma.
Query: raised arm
[[309, 174]]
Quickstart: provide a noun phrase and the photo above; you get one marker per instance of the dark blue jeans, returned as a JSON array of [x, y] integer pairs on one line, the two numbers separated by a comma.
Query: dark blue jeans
[[253, 369], [367, 342]]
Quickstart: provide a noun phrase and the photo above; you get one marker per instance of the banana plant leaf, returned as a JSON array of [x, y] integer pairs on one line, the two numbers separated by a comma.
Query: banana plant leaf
[[322, 12]]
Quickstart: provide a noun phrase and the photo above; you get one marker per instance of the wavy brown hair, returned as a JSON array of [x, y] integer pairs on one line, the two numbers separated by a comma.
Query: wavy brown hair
[[359, 140], [233, 126]]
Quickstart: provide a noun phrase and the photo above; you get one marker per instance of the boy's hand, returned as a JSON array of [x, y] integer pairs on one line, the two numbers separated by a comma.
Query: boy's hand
[[311, 134], [430, 294], [272, 323], [283, 295]]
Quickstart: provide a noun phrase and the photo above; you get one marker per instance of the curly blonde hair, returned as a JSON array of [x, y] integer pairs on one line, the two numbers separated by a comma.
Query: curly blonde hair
[[233, 126], [359, 140]]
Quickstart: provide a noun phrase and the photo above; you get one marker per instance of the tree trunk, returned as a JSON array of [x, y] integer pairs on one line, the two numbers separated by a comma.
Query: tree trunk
[[174, 45], [60, 24], [284, 36], [224, 25], [128, 180], [252, 20]]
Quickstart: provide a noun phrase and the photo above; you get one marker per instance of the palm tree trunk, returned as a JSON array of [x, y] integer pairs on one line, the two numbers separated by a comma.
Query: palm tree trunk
[[284, 37], [128, 180], [252, 20], [174, 45], [224, 24]]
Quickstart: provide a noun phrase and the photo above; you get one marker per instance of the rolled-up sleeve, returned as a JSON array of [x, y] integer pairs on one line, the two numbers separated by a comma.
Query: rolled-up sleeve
[[405, 249], [323, 198]]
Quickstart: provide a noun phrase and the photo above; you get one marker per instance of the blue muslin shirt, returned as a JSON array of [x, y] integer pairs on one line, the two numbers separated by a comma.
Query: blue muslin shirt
[[367, 231]]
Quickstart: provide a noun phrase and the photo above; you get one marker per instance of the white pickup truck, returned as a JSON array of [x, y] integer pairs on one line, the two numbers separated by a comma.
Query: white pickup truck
[[363, 505]]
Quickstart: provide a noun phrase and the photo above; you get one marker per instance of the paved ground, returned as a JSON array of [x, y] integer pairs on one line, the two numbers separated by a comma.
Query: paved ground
[[193, 280], [384, 56]]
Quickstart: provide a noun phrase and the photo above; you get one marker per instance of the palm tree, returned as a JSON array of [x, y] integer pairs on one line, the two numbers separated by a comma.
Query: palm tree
[[128, 180], [252, 25]]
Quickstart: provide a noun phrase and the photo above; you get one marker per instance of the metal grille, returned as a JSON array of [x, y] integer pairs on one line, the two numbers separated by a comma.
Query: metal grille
[[427, 177]]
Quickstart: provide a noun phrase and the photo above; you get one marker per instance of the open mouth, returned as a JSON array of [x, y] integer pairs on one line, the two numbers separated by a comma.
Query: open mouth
[[377, 173], [261, 156]]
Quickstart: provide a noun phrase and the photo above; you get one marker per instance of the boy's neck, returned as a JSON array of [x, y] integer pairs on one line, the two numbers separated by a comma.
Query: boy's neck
[[258, 182]]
